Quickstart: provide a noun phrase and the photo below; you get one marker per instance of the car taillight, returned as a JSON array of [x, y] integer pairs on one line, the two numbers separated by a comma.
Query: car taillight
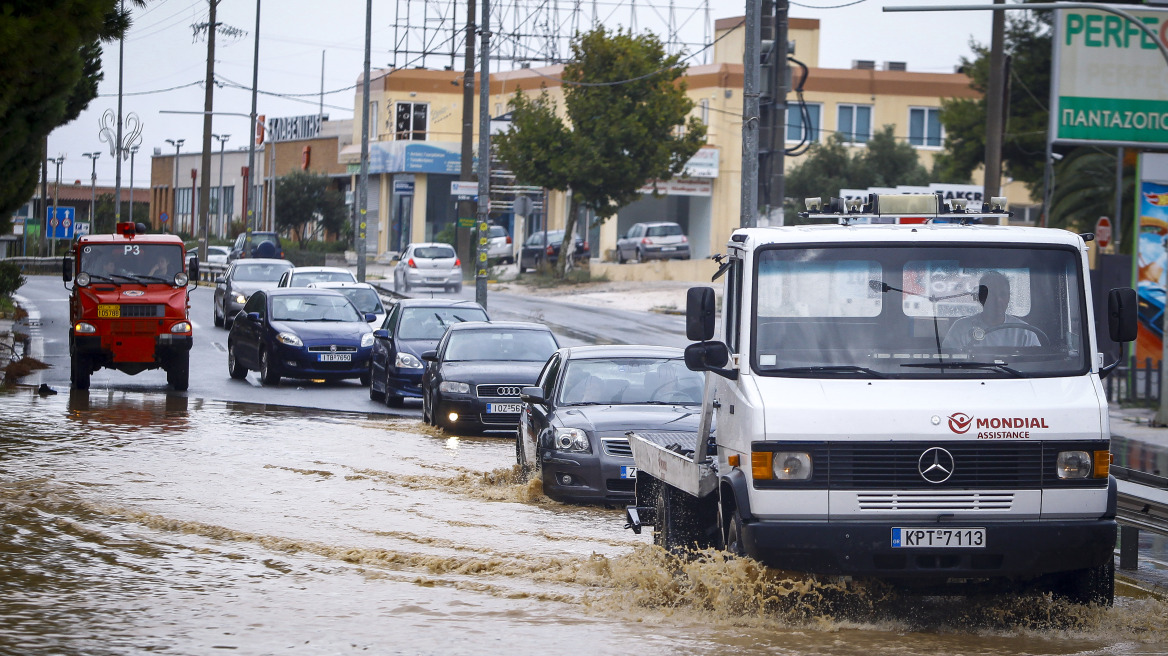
[[457, 262], [551, 251], [585, 245], [645, 241], [684, 239], [410, 263], [508, 239]]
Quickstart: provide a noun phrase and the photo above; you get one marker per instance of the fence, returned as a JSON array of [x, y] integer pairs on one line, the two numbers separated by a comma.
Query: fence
[[1133, 384]]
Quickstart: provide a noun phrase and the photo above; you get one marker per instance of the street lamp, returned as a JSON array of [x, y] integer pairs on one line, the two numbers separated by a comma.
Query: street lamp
[[222, 138], [92, 185], [59, 160], [177, 143], [133, 151]]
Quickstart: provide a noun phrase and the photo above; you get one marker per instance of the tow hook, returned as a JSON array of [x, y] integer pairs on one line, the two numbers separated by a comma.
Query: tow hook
[[633, 520]]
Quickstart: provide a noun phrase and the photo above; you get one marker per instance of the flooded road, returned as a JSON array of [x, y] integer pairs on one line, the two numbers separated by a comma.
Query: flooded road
[[134, 522]]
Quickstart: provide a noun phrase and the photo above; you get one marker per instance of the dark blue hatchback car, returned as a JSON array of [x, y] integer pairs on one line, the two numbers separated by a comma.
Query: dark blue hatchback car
[[413, 326], [300, 333]]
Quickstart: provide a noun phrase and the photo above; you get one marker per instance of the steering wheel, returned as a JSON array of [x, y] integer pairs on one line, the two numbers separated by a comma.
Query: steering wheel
[[678, 394], [1043, 340]]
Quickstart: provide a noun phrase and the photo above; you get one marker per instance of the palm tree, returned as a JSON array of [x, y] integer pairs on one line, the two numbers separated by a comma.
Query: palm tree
[[1085, 190]]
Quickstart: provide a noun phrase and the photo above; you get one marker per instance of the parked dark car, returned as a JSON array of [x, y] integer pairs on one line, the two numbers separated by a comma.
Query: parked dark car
[[300, 333], [262, 244], [662, 240], [473, 379], [243, 278], [413, 326], [536, 250], [574, 420]]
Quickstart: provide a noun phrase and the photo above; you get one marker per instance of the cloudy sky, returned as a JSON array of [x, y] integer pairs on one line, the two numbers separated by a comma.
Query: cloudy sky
[[164, 65]]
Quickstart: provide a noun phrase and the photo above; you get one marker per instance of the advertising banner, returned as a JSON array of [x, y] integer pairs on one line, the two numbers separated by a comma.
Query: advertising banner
[[1151, 258]]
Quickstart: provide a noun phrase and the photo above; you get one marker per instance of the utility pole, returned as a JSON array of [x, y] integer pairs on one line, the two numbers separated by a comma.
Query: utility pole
[[774, 83], [119, 151], [748, 212], [484, 158], [363, 185], [177, 143], [208, 106], [247, 194], [994, 105], [43, 214], [466, 207], [222, 138], [59, 160], [93, 185]]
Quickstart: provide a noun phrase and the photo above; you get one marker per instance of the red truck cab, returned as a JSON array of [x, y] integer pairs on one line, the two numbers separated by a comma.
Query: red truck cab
[[129, 307]]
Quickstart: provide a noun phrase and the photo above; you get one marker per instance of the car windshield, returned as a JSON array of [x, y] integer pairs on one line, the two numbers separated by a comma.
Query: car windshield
[[919, 311], [500, 344], [364, 298], [433, 252], [630, 381], [132, 262], [314, 308], [259, 272], [306, 278], [497, 231], [431, 322], [667, 230]]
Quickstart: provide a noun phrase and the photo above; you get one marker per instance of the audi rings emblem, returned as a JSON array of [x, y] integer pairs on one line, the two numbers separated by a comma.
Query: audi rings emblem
[[936, 465], [513, 390]]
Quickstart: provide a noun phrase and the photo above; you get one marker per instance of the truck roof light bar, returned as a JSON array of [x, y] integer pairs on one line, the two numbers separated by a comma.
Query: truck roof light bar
[[930, 206]]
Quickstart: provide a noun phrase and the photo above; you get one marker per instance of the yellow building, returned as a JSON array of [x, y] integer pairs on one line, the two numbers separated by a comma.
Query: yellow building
[[416, 124]]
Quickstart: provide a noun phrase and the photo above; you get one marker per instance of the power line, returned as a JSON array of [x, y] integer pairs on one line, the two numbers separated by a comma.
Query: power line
[[146, 93], [848, 4]]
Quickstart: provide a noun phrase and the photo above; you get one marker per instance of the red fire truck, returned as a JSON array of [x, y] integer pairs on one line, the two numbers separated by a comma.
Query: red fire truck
[[129, 309]]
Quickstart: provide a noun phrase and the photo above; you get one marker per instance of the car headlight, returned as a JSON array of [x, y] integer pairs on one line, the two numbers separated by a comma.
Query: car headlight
[[366, 340], [1073, 464], [181, 279], [181, 327], [290, 339], [572, 439], [407, 361], [83, 279], [239, 298], [454, 387]]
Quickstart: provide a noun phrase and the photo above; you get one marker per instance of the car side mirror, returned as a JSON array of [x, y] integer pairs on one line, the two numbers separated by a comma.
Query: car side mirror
[[700, 306], [430, 356], [381, 334], [369, 316], [709, 356], [66, 268], [532, 395], [254, 316], [1122, 320]]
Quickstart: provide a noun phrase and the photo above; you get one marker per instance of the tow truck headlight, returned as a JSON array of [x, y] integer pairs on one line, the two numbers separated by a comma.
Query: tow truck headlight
[[290, 339], [83, 279], [453, 387], [82, 328], [406, 361], [366, 340], [1074, 464], [572, 439], [792, 466], [181, 279], [181, 327]]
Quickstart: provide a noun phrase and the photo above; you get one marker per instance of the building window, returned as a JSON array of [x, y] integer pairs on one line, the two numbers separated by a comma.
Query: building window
[[855, 123], [411, 121], [795, 122], [704, 110], [373, 121], [924, 127]]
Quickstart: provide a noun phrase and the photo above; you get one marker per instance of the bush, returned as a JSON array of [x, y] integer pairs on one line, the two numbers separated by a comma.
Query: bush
[[10, 278]]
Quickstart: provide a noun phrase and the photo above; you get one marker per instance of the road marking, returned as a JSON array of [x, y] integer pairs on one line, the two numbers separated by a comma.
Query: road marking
[[219, 345]]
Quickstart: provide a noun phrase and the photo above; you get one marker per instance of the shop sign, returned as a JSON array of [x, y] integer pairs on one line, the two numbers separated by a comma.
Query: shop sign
[[680, 187], [293, 128]]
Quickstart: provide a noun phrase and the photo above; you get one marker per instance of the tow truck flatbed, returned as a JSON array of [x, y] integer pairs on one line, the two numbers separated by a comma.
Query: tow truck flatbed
[[669, 456]]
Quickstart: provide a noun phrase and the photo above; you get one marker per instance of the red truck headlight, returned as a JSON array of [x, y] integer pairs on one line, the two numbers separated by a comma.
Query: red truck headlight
[[181, 327]]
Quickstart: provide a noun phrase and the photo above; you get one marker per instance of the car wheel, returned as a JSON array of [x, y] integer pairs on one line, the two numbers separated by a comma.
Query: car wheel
[[675, 528], [393, 400], [1094, 585], [405, 285], [227, 320], [734, 535], [217, 317], [268, 373], [396, 284], [367, 380], [374, 395], [521, 457], [178, 372], [620, 256], [426, 419], [234, 368], [436, 415], [79, 371], [638, 256]]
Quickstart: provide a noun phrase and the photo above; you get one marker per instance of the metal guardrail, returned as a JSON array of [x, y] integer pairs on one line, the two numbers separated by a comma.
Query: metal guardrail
[[1142, 506]]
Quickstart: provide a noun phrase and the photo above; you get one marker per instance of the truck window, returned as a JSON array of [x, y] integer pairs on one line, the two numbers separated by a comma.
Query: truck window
[[732, 302], [120, 261], [919, 311]]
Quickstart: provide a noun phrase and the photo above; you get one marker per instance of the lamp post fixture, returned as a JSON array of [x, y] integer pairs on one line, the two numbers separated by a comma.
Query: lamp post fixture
[[92, 185], [133, 151], [177, 143], [58, 161], [222, 138]]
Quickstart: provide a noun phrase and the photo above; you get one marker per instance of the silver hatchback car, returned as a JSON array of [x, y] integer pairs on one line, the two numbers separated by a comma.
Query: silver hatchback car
[[428, 265]]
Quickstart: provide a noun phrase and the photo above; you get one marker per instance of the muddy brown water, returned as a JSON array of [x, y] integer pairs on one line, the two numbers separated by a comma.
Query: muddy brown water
[[134, 523]]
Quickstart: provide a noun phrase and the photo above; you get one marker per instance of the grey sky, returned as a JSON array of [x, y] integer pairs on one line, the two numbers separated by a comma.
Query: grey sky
[[160, 54]]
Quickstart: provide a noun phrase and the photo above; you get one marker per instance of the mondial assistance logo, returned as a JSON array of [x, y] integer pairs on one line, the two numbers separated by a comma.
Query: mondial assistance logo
[[960, 423]]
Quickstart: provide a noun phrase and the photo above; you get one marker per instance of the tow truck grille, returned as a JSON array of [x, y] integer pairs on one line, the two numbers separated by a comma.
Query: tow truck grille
[[129, 311]]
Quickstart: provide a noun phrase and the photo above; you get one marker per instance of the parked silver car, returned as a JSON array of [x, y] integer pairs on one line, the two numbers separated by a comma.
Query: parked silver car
[[428, 265], [662, 240], [499, 247]]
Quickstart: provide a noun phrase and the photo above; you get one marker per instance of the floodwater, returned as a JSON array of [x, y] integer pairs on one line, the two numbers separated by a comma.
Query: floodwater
[[134, 522]]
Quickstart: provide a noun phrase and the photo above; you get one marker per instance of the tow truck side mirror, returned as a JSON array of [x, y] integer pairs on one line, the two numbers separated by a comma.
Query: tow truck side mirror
[[1122, 320], [66, 268], [709, 356], [700, 307]]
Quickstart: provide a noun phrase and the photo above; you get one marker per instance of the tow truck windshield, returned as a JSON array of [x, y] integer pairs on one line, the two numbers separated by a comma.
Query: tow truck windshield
[[121, 262], [913, 311]]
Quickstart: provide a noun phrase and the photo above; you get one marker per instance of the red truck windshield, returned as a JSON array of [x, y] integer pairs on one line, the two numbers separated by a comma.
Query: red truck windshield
[[116, 262]]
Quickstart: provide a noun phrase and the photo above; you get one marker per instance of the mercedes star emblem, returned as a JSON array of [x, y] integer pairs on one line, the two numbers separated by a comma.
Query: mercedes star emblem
[[935, 465]]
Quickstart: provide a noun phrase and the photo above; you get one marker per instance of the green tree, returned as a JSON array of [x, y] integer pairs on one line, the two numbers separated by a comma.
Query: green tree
[[626, 110], [307, 204], [889, 162], [50, 64], [1085, 190]]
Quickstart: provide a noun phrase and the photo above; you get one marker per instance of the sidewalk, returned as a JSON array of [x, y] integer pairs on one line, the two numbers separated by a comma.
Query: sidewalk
[[1135, 423]]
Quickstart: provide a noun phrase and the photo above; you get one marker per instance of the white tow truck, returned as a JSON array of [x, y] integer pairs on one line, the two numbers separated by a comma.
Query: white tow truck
[[910, 394]]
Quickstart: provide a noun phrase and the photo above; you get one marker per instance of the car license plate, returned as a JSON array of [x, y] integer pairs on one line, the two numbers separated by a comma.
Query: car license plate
[[504, 407], [109, 311], [938, 537], [336, 357], [628, 472], [668, 248]]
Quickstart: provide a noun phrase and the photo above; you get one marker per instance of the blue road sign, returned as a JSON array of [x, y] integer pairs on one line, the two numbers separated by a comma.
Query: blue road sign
[[164, 217], [60, 222]]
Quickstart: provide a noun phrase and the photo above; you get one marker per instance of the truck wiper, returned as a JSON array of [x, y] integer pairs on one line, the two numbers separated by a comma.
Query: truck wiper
[[139, 277], [103, 278], [1000, 366], [842, 368]]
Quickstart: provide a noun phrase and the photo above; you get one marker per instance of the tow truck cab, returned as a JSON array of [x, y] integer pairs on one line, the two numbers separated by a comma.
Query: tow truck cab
[[914, 402], [129, 304]]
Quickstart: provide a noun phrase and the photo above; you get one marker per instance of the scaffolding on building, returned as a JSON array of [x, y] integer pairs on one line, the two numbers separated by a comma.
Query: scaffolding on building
[[432, 33]]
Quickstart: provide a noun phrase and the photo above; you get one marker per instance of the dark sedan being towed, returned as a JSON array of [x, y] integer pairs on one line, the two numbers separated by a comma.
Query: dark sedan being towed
[[574, 421], [474, 377], [300, 333], [414, 326]]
